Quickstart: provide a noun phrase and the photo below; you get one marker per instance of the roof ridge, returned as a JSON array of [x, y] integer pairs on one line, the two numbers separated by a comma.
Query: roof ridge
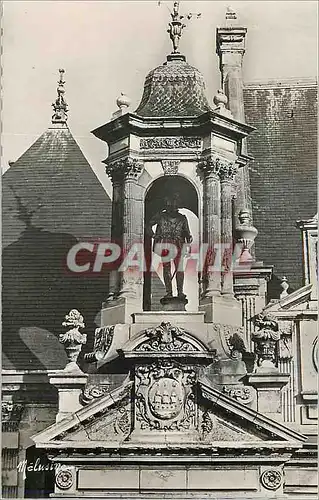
[[285, 82]]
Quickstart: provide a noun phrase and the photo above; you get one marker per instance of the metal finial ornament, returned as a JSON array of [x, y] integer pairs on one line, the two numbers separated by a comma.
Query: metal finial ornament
[[176, 25], [60, 106]]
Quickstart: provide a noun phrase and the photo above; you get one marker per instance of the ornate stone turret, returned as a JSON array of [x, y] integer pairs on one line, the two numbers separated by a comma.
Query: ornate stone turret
[[174, 143]]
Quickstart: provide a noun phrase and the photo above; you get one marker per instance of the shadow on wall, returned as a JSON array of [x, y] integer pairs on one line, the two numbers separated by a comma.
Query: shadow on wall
[[38, 292]]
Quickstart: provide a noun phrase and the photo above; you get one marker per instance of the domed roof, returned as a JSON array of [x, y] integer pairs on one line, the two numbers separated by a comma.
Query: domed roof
[[173, 89]]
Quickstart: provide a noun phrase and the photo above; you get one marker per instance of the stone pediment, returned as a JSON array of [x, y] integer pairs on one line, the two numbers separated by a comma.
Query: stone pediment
[[295, 303], [205, 419], [165, 341]]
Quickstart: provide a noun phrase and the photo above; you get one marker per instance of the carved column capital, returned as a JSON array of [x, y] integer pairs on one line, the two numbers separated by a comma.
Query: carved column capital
[[227, 170], [126, 168], [11, 412], [209, 167], [219, 167]]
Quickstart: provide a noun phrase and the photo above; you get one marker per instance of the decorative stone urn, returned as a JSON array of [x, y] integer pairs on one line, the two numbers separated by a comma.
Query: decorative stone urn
[[246, 235], [73, 339], [266, 340]]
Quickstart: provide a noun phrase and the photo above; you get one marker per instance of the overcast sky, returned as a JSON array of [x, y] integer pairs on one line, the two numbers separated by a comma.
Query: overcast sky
[[107, 47]]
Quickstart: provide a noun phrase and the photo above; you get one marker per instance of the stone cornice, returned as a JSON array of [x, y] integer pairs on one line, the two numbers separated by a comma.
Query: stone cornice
[[175, 126]]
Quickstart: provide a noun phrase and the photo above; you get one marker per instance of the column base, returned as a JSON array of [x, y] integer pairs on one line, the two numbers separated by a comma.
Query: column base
[[268, 386], [174, 303], [221, 309], [69, 385], [119, 310]]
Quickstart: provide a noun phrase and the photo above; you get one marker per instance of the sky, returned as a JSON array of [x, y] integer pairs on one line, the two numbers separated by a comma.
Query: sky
[[108, 47]]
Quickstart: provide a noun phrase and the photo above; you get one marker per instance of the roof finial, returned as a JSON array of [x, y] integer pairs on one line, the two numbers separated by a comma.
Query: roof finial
[[231, 16], [60, 106], [176, 26]]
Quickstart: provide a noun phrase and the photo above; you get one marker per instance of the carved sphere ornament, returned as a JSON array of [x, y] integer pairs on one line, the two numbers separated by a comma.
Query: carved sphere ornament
[[271, 479], [64, 479]]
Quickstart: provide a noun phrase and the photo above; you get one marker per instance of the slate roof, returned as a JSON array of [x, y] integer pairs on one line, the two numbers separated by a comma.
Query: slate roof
[[51, 199], [284, 171], [173, 89]]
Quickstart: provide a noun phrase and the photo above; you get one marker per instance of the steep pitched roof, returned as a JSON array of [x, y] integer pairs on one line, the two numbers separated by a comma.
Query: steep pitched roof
[[51, 199], [284, 171]]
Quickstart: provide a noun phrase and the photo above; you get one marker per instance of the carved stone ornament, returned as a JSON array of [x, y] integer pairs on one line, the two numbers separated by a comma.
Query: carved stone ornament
[[241, 393], [236, 346], [102, 342], [170, 143], [122, 424], [170, 167], [207, 423], [64, 479], [164, 397], [266, 340], [73, 339], [11, 411], [165, 338], [271, 479], [91, 393], [127, 168], [285, 348], [224, 169]]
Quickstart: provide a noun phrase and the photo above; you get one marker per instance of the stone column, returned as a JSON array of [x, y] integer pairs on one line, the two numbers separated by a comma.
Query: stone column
[[127, 218], [211, 226], [117, 225], [227, 172], [133, 211]]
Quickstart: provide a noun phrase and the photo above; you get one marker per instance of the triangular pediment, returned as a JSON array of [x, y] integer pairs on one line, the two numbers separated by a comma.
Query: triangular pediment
[[295, 302], [214, 420]]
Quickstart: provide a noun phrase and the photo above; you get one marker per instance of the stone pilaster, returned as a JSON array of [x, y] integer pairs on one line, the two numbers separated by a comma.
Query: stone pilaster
[[218, 300], [211, 226], [227, 173], [127, 219], [117, 225]]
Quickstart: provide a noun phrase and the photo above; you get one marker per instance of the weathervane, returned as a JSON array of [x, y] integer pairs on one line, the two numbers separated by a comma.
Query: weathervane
[[60, 106], [176, 26]]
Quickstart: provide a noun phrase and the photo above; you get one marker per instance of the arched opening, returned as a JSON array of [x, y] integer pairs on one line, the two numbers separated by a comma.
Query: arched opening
[[154, 288]]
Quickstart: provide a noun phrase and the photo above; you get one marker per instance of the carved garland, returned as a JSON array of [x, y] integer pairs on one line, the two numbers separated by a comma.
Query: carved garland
[[170, 143]]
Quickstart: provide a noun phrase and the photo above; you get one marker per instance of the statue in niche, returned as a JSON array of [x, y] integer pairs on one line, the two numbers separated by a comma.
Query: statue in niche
[[172, 228]]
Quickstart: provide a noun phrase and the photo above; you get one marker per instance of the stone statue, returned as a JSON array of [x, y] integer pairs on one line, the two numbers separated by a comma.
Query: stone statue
[[172, 227]]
